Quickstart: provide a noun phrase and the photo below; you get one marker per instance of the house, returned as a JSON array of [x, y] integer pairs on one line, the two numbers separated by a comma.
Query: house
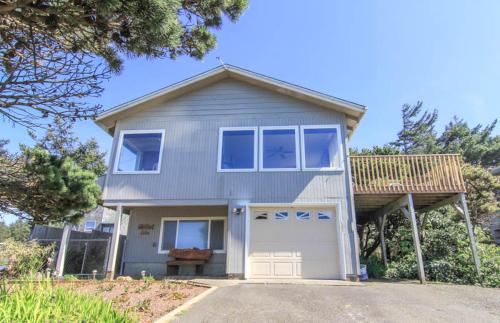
[[255, 169], [100, 219]]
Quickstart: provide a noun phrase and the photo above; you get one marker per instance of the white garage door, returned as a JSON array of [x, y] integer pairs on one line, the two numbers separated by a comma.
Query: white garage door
[[293, 243]]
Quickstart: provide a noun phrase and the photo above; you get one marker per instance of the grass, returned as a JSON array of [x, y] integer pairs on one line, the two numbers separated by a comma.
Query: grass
[[42, 302]]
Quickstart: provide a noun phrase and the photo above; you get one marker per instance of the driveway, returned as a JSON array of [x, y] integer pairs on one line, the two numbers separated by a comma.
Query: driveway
[[373, 302]]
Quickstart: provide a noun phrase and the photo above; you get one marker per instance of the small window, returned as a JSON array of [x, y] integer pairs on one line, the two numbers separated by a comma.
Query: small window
[[321, 148], [107, 227], [302, 215], [261, 216], [279, 150], [89, 225], [237, 149], [324, 215], [139, 151], [281, 215]]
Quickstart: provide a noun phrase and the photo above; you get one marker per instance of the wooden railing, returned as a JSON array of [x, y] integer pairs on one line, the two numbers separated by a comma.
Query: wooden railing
[[407, 174]]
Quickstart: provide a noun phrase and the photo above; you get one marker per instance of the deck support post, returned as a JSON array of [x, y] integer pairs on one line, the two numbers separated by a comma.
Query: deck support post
[[113, 249], [410, 213], [461, 207], [61, 255], [382, 238]]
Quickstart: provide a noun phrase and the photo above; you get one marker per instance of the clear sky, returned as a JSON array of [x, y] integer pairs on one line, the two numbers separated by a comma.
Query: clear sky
[[381, 54]]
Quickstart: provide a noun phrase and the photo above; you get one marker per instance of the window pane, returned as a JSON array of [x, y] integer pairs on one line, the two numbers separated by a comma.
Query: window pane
[[193, 234], [324, 215], [279, 149], [168, 239], [281, 215], [140, 152], [237, 149], [321, 149], [89, 225], [217, 235], [302, 215], [107, 227], [261, 216]]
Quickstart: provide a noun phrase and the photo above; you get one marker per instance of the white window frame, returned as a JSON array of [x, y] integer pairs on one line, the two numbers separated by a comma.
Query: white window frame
[[339, 144], [177, 219], [261, 149], [255, 150], [120, 145], [85, 225]]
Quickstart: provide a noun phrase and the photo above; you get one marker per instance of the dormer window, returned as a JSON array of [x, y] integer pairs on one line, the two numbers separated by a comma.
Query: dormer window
[[139, 151]]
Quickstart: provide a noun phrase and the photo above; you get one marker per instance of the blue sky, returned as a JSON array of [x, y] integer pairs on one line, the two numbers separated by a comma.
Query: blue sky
[[378, 53]]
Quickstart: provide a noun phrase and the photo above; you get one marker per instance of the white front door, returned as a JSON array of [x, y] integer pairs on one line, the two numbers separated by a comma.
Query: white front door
[[293, 243]]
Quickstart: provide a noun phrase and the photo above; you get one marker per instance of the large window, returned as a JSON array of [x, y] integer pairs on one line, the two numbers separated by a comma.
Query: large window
[[201, 233], [321, 148], [237, 149], [279, 148], [139, 151]]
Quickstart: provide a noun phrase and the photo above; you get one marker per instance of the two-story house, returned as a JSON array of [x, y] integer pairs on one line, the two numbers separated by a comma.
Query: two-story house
[[257, 170]]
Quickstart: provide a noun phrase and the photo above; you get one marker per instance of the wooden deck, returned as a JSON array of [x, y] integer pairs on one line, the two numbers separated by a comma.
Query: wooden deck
[[379, 180]]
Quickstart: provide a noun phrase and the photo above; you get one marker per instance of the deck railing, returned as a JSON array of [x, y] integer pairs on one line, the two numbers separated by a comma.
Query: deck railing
[[407, 174]]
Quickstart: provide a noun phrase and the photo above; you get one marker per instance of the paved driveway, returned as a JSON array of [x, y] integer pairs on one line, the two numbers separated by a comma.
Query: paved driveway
[[373, 302]]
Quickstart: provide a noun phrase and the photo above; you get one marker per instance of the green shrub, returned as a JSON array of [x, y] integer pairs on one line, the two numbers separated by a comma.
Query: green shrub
[[375, 267], [41, 302], [446, 252], [25, 259]]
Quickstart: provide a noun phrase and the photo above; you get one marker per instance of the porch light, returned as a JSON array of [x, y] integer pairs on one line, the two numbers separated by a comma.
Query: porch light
[[238, 211]]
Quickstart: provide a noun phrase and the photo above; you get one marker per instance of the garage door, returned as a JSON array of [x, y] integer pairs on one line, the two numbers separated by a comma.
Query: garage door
[[293, 243]]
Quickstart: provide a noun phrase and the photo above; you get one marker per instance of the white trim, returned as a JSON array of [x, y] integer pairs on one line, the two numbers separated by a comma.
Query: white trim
[[246, 268], [119, 150], [338, 224], [261, 149], [340, 148], [207, 218], [255, 150], [340, 239]]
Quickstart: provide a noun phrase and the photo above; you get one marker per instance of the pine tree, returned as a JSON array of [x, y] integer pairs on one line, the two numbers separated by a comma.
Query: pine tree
[[53, 53], [418, 135]]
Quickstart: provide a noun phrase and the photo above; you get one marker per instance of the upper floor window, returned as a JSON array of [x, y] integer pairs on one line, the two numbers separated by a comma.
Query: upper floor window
[[139, 151], [89, 225], [237, 149], [321, 147], [279, 148]]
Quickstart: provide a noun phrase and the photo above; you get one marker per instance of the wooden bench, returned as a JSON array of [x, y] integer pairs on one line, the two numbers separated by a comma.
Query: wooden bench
[[198, 265]]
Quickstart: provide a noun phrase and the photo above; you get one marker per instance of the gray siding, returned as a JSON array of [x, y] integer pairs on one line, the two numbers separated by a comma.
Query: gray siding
[[189, 165]]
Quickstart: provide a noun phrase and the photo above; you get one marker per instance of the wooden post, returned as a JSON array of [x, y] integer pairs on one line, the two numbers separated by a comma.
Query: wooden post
[[113, 250], [382, 239], [61, 255], [465, 212], [410, 213]]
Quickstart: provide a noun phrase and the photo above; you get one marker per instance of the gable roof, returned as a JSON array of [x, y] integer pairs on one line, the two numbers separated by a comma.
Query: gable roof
[[353, 111]]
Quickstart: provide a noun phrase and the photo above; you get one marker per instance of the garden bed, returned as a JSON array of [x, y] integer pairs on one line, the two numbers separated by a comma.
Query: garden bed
[[144, 300]]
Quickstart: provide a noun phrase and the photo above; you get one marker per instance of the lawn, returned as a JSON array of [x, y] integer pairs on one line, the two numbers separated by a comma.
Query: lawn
[[83, 301]]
